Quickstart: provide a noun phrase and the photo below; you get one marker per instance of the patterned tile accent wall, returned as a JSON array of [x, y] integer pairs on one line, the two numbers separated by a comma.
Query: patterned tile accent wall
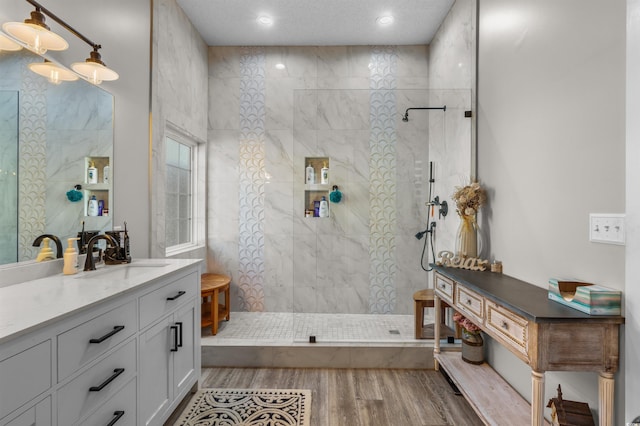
[[251, 180], [382, 180], [33, 162]]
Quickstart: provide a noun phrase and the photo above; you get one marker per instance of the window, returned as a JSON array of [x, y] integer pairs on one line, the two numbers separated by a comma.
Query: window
[[181, 193]]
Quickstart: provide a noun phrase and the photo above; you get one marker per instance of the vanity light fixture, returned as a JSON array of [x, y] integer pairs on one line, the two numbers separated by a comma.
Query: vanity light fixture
[[385, 20], [53, 72], [7, 44], [92, 69], [35, 33]]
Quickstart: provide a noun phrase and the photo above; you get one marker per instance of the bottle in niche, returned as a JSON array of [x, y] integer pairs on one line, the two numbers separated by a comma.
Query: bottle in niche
[[92, 208], [106, 171], [310, 174], [92, 173], [323, 211], [324, 174]]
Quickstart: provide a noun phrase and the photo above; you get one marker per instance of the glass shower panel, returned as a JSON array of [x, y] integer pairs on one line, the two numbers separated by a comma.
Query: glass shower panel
[[355, 272], [8, 176]]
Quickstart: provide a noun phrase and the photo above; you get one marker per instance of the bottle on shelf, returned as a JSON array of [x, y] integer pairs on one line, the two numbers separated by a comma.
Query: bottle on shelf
[[324, 174], [324, 207], [310, 175], [92, 208], [92, 173]]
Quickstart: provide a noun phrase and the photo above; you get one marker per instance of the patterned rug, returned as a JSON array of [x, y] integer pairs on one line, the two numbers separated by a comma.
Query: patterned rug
[[248, 407]]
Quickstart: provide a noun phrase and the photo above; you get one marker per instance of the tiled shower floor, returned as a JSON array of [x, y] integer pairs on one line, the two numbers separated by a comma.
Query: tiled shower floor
[[282, 328]]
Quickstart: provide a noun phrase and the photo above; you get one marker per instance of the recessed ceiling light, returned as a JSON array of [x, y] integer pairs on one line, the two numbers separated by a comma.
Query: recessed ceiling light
[[265, 20], [385, 20], [280, 66]]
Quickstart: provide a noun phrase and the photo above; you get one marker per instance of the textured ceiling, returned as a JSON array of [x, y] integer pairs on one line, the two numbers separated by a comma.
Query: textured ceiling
[[315, 22]]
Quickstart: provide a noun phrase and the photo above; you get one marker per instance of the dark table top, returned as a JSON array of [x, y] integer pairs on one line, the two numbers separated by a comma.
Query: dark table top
[[525, 299]]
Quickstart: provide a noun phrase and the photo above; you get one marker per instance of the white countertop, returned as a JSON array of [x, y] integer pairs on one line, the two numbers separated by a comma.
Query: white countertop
[[37, 303]]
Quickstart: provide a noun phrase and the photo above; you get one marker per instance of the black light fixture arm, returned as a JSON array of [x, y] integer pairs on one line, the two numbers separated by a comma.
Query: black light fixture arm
[[406, 113], [42, 9]]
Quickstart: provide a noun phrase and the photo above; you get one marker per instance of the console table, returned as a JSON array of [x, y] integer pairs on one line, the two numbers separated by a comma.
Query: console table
[[546, 335]]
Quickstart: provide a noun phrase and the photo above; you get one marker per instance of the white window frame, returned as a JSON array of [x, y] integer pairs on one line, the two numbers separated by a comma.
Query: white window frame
[[197, 189]]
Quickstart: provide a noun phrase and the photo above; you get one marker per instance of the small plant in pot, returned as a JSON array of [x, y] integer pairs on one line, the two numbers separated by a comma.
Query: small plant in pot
[[472, 343]]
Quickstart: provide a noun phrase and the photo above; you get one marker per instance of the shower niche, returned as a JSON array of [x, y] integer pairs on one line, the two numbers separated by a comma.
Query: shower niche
[[316, 186]]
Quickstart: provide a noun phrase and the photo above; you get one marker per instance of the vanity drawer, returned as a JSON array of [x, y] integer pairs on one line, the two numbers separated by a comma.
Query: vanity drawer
[[165, 299], [469, 302], [24, 376], [75, 348], [444, 286], [510, 327], [76, 400], [38, 415], [121, 409]]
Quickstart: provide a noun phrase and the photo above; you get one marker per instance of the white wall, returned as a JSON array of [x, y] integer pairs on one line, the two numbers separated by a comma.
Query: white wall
[[551, 150], [632, 288], [122, 27]]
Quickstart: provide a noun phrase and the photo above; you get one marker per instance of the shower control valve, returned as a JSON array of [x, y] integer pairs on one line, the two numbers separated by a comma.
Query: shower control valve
[[443, 207]]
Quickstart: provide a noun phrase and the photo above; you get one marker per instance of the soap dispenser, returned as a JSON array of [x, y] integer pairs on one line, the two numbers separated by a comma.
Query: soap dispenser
[[70, 258], [46, 253]]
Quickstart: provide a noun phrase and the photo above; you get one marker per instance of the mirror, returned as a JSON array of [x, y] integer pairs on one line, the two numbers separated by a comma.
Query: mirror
[[49, 136]]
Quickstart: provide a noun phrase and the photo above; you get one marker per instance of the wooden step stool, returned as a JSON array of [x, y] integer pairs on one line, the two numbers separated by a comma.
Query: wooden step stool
[[212, 311], [425, 299]]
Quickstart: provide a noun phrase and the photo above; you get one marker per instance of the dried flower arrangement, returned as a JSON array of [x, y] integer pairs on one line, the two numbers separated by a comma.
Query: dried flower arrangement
[[465, 323], [469, 199]]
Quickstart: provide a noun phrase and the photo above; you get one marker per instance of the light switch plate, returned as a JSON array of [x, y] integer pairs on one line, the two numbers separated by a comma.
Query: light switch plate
[[607, 228]]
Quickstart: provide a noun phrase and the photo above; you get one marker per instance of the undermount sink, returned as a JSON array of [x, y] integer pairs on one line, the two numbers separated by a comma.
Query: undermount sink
[[123, 271]]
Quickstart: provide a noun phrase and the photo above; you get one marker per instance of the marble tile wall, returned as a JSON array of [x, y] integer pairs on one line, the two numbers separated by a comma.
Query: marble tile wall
[[179, 105], [452, 82], [8, 175], [327, 101]]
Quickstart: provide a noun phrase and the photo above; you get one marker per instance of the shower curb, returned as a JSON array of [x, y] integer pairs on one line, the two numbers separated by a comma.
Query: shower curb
[[319, 356]]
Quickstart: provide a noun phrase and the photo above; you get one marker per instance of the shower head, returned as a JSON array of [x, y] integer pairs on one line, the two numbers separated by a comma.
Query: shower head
[[419, 235], [405, 118]]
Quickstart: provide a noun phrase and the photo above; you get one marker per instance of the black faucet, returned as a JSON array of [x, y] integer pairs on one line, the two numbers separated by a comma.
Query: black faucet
[[89, 264], [38, 241]]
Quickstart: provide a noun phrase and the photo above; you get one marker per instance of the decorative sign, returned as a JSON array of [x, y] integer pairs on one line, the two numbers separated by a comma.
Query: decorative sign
[[449, 259]]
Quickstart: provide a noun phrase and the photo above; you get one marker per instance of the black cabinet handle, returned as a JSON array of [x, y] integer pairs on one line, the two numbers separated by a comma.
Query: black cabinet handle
[[117, 415], [116, 373], [180, 293], [175, 338], [179, 324], [115, 330]]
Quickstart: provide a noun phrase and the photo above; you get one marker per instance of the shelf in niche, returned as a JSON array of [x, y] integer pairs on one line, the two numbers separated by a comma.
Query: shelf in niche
[[315, 191], [97, 186]]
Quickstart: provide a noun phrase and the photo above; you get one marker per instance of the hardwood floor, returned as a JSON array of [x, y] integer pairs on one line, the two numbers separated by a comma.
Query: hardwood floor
[[357, 397]]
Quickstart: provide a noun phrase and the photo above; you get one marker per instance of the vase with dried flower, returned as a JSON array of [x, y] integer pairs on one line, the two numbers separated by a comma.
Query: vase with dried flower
[[468, 201], [472, 342]]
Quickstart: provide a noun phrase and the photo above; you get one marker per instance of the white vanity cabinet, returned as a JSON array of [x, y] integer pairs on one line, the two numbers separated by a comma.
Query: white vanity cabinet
[[118, 346], [167, 348]]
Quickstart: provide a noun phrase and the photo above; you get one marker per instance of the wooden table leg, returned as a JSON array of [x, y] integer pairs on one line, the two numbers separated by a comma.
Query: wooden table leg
[[537, 396], [436, 330], [214, 312], [605, 398], [227, 302]]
